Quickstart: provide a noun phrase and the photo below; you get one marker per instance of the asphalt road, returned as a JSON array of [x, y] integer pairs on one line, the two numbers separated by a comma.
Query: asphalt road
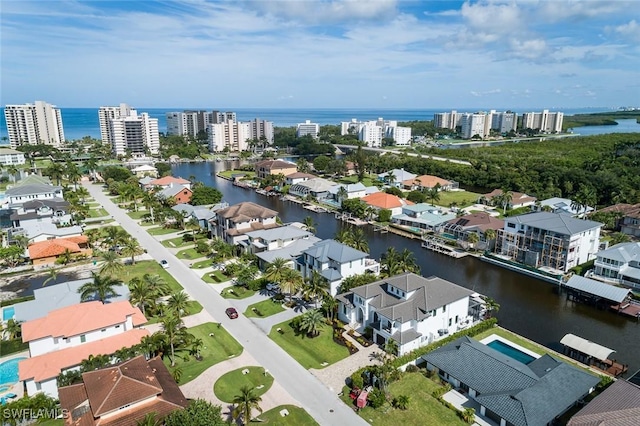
[[320, 402], [410, 154]]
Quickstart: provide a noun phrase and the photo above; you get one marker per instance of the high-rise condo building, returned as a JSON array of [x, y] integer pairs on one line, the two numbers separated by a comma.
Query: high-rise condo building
[[135, 134], [472, 124], [38, 123], [401, 135], [308, 128], [261, 129], [372, 132], [545, 121], [189, 123], [231, 136], [446, 120], [108, 113]]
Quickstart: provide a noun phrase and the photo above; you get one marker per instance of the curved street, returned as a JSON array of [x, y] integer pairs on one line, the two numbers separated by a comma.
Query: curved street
[[320, 402]]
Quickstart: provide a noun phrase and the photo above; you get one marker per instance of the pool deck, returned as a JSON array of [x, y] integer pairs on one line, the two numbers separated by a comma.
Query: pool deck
[[494, 337], [16, 388]]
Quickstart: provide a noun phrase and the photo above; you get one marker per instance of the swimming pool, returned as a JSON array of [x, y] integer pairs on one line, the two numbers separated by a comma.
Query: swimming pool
[[8, 313], [9, 371], [510, 351]]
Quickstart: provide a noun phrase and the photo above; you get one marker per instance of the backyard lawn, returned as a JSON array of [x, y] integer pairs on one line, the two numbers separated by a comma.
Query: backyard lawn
[[423, 408], [159, 230], [229, 384], [137, 215], [202, 264], [369, 180], [236, 292], [296, 417], [264, 309], [152, 267], [310, 353], [461, 198], [218, 346], [219, 278], [229, 173], [540, 350]]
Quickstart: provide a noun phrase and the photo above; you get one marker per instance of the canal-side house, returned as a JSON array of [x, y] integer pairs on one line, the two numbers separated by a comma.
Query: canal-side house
[[550, 241], [410, 309], [428, 182], [395, 177], [383, 201], [478, 223], [619, 264], [627, 218], [32, 188], [44, 254], [145, 170], [517, 199], [317, 188], [234, 222], [422, 217], [297, 177], [64, 337], [179, 193], [54, 211], [335, 261], [561, 205], [122, 394], [148, 183], [617, 405], [274, 167], [347, 191], [510, 392], [287, 242]]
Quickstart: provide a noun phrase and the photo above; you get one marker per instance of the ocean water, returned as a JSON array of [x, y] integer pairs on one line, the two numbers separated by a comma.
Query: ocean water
[[80, 122]]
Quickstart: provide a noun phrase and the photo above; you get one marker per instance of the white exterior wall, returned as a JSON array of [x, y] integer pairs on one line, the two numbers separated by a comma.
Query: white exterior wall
[[49, 344], [48, 387], [34, 124], [401, 135], [231, 135], [152, 137], [371, 134], [176, 123], [19, 199], [12, 158], [106, 114], [308, 128], [472, 124]]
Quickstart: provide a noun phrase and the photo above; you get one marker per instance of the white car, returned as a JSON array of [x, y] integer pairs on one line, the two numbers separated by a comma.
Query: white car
[[164, 264]]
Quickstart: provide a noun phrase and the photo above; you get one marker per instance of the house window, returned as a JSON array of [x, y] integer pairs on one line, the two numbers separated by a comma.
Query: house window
[[103, 330], [457, 320], [83, 338], [118, 326], [511, 225], [450, 319], [444, 309]]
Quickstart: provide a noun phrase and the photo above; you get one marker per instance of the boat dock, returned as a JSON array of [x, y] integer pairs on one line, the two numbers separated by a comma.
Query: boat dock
[[630, 308], [345, 217], [315, 208], [433, 244], [592, 354]]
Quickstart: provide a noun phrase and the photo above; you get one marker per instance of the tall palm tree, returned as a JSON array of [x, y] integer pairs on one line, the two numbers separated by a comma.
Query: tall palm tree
[[13, 329], [194, 226], [507, 197], [111, 263], [131, 247], [473, 238], [52, 276], [390, 177], [178, 303], [156, 283], [343, 235], [312, 322], [290, 282], [433, 194], [342, 194], [310, 224], [101, 287], [142, 295], [13, 171], [73, 173], [330, 306], [174, 329], [276, 270], [407, 262], [358, 240], [316, 287], [245, 403]]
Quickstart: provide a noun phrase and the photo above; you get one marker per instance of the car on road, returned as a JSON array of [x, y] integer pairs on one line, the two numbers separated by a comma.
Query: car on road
[[164, 264], [231, 313]]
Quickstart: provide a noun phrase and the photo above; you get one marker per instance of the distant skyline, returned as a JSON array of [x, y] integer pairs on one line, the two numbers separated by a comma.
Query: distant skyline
[[552, 54]]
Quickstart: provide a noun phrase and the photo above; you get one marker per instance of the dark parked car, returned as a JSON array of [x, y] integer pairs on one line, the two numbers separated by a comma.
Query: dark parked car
[[231, 313]]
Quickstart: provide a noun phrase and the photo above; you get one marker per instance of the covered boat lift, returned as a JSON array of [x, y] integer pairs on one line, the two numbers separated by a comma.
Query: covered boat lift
[[592, 354], [586, 290]]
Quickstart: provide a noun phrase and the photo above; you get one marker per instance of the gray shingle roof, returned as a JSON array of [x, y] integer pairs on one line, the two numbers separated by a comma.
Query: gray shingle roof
[[32, 189], [283, 232], [558, 223], [243, 212], [509, 388], [618, 405], [624, 252], [289, 252], [327, 250], [600, 289], [331, 274]]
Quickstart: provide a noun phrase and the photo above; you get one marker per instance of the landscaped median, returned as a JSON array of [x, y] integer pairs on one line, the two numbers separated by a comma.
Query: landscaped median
[[264, 309], [256, 378], [237, 292]]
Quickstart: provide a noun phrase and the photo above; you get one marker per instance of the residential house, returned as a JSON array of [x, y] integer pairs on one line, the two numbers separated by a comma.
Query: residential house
[[297, 177], [619, 264], [32, 188], [552, 241], [317, 188], [383, 201], [335, 261], [11, 157], [409, 309], [352, 190], [518, 199], [422, 217], [59, 295], [42, 231], [145, 170], [54, 211], [45, 253], [478, 223], [64, 337], [203, 214], [180, 193], [122, 394], [233, 223], [395, 177], [163, 182], [617, 405], [287, 242], [561, 205], [630, 223], [427, 182], [274, 167], [510, 392]]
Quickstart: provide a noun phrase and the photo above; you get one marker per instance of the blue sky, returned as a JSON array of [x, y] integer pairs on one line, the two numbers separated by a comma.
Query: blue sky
[[322, 54]]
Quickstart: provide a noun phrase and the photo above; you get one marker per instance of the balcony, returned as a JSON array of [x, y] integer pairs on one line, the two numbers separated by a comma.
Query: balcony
[[372, 265]]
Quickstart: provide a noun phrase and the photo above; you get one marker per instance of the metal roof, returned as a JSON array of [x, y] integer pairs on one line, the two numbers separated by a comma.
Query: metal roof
[[554, 222], [586, 346], [597, 288], [623, 252]]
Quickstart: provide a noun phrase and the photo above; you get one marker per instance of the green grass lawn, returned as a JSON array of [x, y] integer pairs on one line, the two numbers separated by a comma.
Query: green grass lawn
[[138, 215], [97, 212], [237, 293], [159, 230], [190, 253], [264, 309], [202, 264], [423, 408], [369, 180], [310, 353], [193, 307], [177, 242], [152, 267], [229, 384], [462, 198], [218, 346], [220, 277], [297, 417], [228, 173]]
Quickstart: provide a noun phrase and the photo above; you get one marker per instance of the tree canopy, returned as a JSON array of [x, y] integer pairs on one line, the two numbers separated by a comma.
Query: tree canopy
[[203, 195]]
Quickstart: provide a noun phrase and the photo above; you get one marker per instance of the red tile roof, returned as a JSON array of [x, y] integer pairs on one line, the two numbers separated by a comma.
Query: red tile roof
[[428, 181], [81, 318], [383, 200], [56, 247], [167, 180]]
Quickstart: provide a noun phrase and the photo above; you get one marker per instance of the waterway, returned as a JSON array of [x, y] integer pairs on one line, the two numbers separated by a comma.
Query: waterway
[[627, 125], [530, 307]]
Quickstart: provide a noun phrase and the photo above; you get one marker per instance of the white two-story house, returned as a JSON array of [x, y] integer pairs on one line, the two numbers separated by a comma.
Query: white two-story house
[[409, 309], [54, 211], [619, 264], [32, 188], [64, 337], [335, 262], [233, 223]]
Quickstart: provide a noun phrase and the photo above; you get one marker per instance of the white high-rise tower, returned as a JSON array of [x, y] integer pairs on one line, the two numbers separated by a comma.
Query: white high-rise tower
[[38, 123]]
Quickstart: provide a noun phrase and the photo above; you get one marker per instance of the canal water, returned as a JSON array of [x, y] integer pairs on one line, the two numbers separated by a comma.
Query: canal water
[[530, 307]]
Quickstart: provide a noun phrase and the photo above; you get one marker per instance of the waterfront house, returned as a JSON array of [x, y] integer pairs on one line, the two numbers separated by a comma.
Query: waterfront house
[[395, 177], [274, 167], [64, 337], [383, 201], [317, 188], [42, 231], [422, 217], [508, 391], [273, 239], [478, 223], [627, 218], [423, 182], [550, 241], [617, 405], [561, 205], [410, 309], [148, 183], [54, 211], [619, 264], [352, 190], [234, 222], [11, 157], [122, 394], [335, 261], [180, 193], [145, 170], [32, 188], [297, 177], [518, 199], [45, 253]]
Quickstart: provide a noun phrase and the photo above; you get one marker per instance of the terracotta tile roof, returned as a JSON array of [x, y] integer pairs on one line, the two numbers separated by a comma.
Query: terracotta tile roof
[[631, 210], [516, 197], [275, 164], [299, 175], [480, 220], [81, 318], [50, 365], [617, 405], [383, 200], [165, 181], [56, 247], [428, 181]]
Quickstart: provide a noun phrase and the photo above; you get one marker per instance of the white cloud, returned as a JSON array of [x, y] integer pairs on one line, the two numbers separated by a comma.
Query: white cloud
[[528, 49], [630, 30], [327, 12]]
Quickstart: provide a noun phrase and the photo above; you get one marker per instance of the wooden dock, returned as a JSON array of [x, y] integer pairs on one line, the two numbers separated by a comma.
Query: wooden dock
[[434, 245], [630, 308], [350, 219], [314, 208]]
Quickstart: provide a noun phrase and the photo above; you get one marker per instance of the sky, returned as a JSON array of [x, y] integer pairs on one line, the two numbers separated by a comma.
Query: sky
[[321, 54]]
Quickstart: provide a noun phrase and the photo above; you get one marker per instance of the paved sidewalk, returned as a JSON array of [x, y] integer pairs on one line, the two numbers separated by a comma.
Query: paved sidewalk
[[266, 324]]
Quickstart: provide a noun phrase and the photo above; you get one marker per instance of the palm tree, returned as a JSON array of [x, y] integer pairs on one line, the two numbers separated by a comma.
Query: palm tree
[[303, 165], [176, 374], [401, 402], [65, 257], [150, 419], [93, 235], [342, 194], [73, 173], [433, 194], [13, 171], [101, 287], [505, 199], [222, 249], [491, 306], [13, 329], [53, 276], [178, 303], [196, 345], [619, 237], [407, 262], [358, 240], [390, 177], [312, 322], [131, 247], [291, 282], [343, 235], [276, 270], [316, 288], [142, 295], [156, 283], [472, 239], [245, 403], [309, 223], [330, 306], [174, 329], [391, 347], [111, 263], [490, 234]]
